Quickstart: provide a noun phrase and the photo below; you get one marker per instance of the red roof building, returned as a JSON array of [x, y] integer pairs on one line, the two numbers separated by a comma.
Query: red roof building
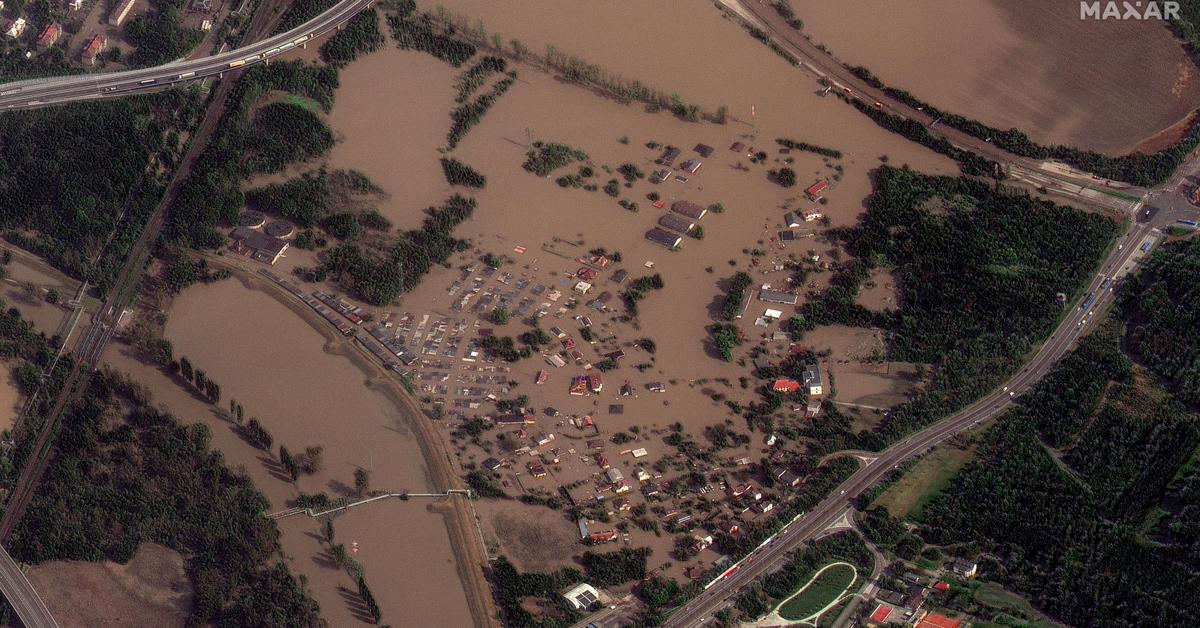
[[48, 36], [942, 586], [786, 385], [595, 383], [603, 537], [817, 190], [579, 386], [94, 47], [937, 620]]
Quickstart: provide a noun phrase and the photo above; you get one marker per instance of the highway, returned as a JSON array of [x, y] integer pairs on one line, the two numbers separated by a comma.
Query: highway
[[768, 558], [1096, 190], [28, 606], [54, 90], [1159, 209]]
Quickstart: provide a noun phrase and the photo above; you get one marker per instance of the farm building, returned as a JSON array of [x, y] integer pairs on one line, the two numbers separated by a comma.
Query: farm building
[[582, 596], [817, 190], [689, 209], [773, 296], [669, 156], [675, 222], [664, 237], [257, 245]]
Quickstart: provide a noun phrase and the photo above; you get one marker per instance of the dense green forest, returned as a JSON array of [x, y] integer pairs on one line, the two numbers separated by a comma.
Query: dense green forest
[[275, 135], [73, 176], [301, 11], [378, 278], [125, 473], [31, 354], [159, 36], [314, 196], [977, 271], [1067, 515], [1136, 168], [361, 36], [419, 31], [1163, 302]]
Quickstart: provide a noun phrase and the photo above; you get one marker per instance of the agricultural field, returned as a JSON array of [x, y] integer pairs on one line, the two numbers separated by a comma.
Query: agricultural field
[[1111, 86]]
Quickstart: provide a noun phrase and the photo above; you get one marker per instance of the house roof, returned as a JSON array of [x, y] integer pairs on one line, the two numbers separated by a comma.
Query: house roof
[[812, 375], [774, 296], [676, 222], [937, 620], [785, 385], [664, 237], [689, 209], [94, 46]]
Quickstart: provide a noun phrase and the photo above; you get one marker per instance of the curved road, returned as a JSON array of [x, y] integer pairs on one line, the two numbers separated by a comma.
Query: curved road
[[762, 15], [1171, 205], [814, 522], [46, 91], [16, 588]]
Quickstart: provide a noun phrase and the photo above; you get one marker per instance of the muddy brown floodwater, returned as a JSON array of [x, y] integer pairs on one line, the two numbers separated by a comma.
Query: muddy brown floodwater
[[1034, 65], [391, 129], [280, 369]]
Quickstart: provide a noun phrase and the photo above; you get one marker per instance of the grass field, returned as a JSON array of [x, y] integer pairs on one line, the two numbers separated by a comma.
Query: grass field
[[826, 588], [1017, 607], [931, 474]]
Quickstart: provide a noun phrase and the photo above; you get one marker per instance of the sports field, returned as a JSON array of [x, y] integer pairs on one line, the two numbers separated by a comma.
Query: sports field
[[820, 593]]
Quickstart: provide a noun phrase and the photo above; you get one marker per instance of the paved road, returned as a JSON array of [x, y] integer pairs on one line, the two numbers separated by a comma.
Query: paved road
[[20, 594], [1094, 189], [765, 560], [1163, 207], [45, 91]]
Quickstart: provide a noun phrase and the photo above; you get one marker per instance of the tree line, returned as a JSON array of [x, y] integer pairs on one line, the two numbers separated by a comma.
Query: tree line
[[1136, 168], [125, 473], [1080, 536], [978, 271]]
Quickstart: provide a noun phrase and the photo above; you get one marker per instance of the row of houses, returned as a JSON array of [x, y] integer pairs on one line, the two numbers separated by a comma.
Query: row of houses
[[673, 226]]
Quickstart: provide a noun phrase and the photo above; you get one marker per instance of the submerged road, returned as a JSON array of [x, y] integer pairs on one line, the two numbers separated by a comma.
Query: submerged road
[[54, 90]]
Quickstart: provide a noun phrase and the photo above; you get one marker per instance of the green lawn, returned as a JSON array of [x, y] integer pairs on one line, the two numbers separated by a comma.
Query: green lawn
[[931, 474], [993, 595], [827, 587]]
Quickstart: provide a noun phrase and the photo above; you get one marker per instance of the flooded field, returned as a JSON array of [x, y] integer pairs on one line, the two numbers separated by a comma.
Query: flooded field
[[393, 127], [11, 400], [290, 377], [1104, 85], [151, 591]]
